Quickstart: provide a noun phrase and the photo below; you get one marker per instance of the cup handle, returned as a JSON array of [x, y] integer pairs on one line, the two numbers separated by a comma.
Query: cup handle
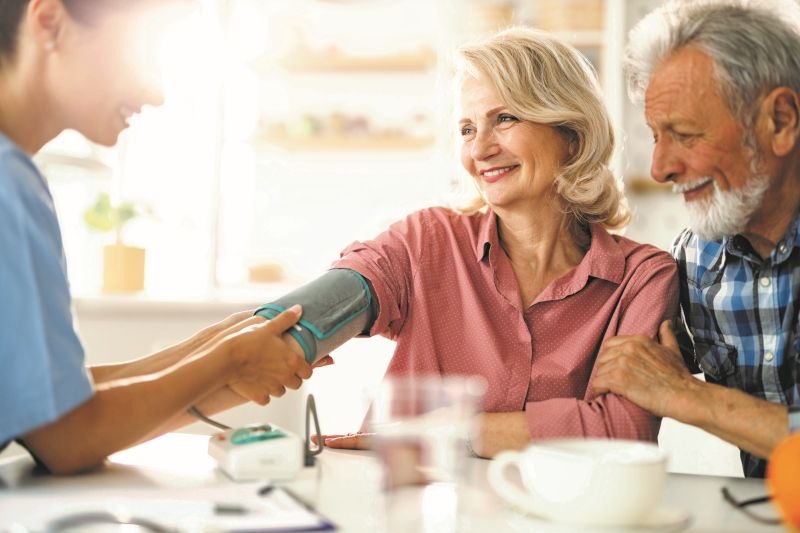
[[509, 491]]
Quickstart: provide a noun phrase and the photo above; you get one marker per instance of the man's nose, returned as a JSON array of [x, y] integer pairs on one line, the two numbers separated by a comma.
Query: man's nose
[[666, 164]]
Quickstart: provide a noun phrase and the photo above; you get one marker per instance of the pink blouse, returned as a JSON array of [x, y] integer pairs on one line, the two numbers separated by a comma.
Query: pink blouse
[[448, 296]]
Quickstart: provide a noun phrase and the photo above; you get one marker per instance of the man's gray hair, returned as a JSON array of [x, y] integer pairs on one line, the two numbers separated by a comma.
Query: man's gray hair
[[755, 46]]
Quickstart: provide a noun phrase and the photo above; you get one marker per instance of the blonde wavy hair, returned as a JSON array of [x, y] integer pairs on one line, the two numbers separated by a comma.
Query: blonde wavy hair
[[544, 80]]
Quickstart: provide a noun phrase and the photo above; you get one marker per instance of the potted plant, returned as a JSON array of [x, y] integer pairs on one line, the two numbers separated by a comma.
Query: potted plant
[[123, 265]]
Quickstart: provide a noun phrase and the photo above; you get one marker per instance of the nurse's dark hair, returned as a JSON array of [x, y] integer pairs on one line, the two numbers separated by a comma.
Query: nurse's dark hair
[[10, 17]]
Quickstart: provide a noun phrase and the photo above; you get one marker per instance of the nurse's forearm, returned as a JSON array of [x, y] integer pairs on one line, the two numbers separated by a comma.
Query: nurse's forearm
[[172, 355], [221, 400]]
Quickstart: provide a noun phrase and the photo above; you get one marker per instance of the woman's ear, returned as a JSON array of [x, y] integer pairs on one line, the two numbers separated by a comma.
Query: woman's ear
[[781, 109], [45, 22]]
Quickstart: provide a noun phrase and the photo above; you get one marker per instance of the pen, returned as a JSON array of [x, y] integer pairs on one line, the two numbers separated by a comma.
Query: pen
[[221, 508]]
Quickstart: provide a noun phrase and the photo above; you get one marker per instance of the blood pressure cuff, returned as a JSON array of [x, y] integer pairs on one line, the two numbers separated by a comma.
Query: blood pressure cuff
[[337, 306]]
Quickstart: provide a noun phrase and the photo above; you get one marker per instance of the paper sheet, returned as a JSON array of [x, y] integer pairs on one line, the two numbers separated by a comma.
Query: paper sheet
[[203, 510]]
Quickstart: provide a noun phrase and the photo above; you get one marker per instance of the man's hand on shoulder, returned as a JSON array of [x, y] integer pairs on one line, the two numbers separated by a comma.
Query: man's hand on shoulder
[[650, 374]]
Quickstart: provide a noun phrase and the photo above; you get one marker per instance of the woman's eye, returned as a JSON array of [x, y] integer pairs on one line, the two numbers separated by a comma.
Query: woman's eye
[[466, 131], [505, 117]]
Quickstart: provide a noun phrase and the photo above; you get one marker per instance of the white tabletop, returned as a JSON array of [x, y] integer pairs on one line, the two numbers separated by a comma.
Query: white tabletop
[[343, 486]]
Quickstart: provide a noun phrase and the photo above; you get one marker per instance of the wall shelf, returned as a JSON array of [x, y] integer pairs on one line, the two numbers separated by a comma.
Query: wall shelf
[[348, 143], [307, 61], [45, 159]]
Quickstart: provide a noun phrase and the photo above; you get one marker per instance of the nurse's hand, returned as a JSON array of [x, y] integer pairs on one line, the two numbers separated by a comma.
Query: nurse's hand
[[264, 361]]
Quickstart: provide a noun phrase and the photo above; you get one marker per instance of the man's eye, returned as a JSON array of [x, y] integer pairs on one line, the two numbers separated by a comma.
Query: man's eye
[[682, 137]]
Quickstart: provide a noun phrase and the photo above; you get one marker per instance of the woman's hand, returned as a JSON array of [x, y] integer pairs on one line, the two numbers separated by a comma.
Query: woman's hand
[[325, 361], [497, 432], [351, 441]]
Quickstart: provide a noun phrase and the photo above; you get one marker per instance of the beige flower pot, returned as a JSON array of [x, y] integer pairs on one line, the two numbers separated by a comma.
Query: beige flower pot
[[123, 268]]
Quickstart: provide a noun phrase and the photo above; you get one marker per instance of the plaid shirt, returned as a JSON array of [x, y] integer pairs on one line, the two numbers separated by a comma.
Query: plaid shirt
[[742, 315]]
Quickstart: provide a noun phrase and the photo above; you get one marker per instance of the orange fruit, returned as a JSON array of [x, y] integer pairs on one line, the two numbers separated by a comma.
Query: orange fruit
[[783, 479]]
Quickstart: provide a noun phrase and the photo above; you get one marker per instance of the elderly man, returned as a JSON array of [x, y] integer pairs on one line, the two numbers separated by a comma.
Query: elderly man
[[721, 86]]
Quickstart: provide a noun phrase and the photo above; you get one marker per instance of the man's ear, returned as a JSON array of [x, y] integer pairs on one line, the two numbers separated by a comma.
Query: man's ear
[[45, 21], [781, 109]]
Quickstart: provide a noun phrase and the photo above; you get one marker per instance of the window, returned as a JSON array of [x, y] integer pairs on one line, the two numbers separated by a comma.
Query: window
[[289, 130]]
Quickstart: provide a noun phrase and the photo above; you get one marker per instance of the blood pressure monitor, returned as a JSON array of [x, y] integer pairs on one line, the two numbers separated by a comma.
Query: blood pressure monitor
[[257, 452]]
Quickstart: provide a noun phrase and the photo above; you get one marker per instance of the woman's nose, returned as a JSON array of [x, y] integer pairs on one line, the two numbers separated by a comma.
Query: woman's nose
[[484, 145]]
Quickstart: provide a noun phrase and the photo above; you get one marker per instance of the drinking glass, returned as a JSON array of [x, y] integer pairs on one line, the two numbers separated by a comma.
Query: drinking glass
[[421, 427]]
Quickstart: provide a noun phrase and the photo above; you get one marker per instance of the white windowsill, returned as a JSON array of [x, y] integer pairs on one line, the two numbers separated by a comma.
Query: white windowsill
[[223, 301]]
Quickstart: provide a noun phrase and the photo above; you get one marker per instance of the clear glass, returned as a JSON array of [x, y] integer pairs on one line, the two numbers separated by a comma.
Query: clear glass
[[422, 426]]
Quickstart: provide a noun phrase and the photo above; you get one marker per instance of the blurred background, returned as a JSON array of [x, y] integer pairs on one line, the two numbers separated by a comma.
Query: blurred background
[[291, 129]]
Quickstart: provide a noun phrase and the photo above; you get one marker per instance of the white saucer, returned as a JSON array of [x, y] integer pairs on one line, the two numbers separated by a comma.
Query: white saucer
[[660, 520]]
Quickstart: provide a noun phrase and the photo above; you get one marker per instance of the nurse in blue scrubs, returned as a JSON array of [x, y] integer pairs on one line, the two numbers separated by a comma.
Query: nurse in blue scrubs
[[74, 64]]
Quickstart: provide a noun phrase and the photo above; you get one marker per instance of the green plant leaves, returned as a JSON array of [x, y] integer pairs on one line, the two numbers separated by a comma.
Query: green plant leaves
[[103, 216]]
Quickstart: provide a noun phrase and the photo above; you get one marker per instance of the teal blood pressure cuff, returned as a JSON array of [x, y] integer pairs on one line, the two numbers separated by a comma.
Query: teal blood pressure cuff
[[337, 306]]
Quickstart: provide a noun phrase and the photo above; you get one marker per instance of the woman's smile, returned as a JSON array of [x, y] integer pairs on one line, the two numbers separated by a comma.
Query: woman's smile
[[494, 174]]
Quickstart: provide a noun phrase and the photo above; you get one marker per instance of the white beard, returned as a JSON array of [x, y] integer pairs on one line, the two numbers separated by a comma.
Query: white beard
[[727, 213]]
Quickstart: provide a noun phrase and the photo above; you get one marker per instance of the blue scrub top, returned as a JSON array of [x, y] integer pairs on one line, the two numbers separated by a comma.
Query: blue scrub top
[[43, 374]]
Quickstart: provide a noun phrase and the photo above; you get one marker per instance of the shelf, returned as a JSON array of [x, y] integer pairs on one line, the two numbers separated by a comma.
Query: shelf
[[335, 62], [349, 143], [581, 38], [89, 163]]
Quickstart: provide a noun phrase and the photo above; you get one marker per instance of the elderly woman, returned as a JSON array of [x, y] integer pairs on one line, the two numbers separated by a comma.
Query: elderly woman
[[524, 287]]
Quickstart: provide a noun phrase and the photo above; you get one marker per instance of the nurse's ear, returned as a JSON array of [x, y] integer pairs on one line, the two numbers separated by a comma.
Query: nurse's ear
[[44, 21]]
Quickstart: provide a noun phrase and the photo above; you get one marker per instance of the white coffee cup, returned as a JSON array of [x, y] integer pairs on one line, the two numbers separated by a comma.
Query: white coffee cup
[[583, 481]]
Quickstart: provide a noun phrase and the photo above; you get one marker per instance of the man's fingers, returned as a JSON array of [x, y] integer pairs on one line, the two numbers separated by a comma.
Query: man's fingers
[[667, 337], [599, 388], [600, 380], [285, 320], [613, 342]]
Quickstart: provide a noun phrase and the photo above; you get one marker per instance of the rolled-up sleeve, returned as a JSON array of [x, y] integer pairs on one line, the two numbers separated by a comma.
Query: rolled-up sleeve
[[388, 262]]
